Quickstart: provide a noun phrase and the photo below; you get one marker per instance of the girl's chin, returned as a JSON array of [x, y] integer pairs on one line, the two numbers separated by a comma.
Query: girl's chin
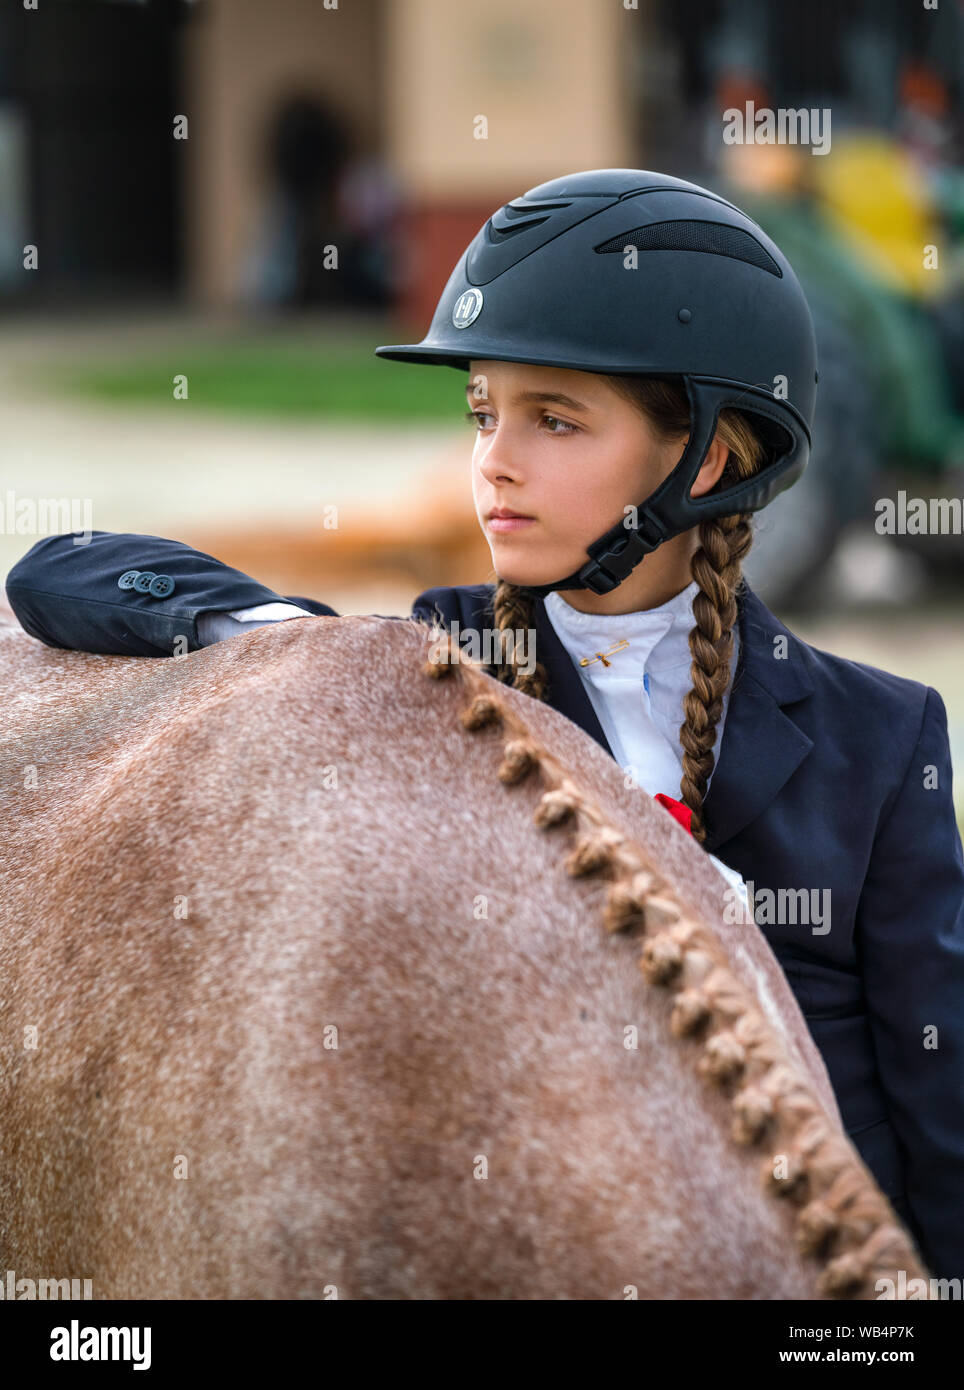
[[513, 570]]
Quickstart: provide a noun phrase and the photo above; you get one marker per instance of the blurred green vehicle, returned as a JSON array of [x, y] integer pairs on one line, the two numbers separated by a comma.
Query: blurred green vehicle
[[879, 251]]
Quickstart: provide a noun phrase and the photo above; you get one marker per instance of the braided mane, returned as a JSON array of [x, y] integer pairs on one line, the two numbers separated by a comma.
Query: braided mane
[[843, 1220]]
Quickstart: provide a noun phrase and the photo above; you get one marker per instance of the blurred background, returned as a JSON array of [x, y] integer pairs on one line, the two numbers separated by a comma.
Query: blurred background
[[247, 198]]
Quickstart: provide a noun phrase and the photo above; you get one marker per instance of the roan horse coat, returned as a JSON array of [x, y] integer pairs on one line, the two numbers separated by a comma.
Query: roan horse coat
[[327, 965], [833, 780]]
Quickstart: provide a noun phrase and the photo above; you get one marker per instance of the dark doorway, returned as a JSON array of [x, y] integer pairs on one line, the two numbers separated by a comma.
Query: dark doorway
[[88, 96]]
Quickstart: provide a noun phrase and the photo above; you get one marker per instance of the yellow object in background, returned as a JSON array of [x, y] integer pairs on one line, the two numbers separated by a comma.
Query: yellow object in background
[[874, 196]]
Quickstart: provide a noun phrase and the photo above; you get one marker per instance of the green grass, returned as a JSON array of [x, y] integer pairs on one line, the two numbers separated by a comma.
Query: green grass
[[327, 383]]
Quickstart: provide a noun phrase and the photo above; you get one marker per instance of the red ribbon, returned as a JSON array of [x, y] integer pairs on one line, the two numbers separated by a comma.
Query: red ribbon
[[676, 809]]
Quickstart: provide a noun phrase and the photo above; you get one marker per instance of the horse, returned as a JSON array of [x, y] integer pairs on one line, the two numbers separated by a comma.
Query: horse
[[333, 967]]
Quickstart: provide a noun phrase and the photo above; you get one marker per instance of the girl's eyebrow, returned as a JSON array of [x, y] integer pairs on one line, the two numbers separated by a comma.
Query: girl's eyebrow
[[544, 397]]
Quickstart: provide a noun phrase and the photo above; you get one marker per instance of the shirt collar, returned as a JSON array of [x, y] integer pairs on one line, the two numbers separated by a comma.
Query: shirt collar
[[658, 638]]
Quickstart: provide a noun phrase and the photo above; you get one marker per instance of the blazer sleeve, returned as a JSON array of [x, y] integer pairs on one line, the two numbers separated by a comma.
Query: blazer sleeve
[[910, 932], [87, 597]]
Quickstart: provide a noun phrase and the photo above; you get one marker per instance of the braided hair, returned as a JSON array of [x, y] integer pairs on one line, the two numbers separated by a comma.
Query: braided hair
[[716, 566]]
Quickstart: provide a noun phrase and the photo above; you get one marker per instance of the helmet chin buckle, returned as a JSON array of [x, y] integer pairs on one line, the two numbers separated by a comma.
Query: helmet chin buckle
[[617, 554]]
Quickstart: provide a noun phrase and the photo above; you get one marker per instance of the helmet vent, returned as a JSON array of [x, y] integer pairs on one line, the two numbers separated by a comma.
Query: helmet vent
[[716, 238], [511, 220]]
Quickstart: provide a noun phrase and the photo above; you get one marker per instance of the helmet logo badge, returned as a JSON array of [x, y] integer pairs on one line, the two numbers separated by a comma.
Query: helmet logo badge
[[468, 306]]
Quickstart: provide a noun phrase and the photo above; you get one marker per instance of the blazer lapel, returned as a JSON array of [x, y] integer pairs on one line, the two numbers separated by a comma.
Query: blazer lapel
[[761, 747]]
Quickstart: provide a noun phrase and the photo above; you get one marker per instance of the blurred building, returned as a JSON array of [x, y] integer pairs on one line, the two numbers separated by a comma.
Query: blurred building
[[389, 129], [310, 125]]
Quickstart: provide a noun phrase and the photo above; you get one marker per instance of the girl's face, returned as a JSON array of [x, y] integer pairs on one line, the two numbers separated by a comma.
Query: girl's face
[[568, 451]]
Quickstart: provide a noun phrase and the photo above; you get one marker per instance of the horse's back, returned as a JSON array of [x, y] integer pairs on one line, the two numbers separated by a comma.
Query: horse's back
[[298, 999]]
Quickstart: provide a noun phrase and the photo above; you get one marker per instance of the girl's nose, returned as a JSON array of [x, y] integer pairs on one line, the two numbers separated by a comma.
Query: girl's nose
[[499, 462]]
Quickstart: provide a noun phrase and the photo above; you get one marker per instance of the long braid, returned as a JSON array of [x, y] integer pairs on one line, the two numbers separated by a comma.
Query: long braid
[[513, 612], [717, 568]]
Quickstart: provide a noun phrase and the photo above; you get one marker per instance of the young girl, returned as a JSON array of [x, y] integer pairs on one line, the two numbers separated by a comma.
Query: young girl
[[642, 377]]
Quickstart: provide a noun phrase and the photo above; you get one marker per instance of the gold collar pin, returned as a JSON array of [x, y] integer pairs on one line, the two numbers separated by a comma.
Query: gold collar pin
[[620, 646]]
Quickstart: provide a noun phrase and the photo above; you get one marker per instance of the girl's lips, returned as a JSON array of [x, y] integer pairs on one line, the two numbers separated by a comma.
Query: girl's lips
[[509, 523]]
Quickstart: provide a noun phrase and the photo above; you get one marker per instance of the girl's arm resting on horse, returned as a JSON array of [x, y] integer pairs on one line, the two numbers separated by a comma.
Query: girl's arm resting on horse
[[126, 594], [910, 929]]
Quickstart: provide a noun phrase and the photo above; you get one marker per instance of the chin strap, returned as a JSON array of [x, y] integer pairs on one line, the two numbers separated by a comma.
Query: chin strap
[[614, 556]]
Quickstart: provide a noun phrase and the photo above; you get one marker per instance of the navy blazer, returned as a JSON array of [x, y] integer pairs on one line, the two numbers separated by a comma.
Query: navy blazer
[[832, 776]]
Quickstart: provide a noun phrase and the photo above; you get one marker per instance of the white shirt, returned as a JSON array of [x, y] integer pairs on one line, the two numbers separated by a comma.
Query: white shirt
[[217, 627], [638, 697]]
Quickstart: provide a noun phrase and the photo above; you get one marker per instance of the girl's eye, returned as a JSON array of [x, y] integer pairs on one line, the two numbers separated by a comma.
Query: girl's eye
[[566, 429], [476, 417]]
